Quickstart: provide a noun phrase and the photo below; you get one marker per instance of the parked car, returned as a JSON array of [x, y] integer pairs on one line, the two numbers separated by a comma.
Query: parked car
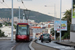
[[40, 37], [45, 37]]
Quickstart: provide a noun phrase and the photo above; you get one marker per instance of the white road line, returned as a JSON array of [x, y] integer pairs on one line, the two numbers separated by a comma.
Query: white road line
[[14, 46], [30, 45]]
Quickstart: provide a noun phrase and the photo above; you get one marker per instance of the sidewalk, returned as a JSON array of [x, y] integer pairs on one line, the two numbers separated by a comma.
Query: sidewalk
[[41, 47], [66, 43]]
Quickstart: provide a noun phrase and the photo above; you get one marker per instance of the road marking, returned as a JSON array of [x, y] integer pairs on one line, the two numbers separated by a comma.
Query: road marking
[[14, 46], [30, 45]]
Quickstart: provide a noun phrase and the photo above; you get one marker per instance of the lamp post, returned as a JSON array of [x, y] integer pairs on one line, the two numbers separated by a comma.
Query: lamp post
[[23, 17], [19, 14], [60, 18], [12, 23], [27, 14], [54, 15], [54, 9]]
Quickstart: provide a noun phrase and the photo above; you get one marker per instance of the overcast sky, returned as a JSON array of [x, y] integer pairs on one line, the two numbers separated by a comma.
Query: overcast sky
[[39, 5]]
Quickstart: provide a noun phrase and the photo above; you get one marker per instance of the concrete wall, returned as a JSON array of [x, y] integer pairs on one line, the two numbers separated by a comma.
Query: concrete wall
[[72, 36]]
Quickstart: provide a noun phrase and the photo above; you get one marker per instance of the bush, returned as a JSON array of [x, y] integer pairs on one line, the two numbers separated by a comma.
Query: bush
[[2, 34], [0, 24]]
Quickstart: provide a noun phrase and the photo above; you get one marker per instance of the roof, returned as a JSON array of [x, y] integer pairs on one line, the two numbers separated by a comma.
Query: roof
[[35, 27], [22, 24]]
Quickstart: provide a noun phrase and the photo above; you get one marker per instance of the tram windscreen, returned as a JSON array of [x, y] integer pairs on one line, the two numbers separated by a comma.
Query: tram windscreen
[[22, 30]]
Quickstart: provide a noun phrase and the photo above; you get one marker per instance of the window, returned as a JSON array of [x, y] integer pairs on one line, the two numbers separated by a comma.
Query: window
[[22, 30], [72, 28]]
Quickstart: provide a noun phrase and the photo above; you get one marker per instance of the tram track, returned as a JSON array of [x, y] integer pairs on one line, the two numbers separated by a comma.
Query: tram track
[[21, 46]]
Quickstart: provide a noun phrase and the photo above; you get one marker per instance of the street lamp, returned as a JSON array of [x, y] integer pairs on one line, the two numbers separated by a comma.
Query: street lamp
[[12, 23], [23, 17], [54, 9], [54, 16], [27, 14], [60, 18]]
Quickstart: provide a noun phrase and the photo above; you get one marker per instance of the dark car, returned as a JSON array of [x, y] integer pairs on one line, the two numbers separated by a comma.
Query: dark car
[[45, 37], [40, 37]]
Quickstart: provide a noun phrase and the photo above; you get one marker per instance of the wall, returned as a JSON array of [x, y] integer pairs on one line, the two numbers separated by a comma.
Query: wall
[[72, 36]]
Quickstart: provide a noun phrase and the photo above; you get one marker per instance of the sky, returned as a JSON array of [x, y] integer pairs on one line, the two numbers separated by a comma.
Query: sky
[[39, 6]]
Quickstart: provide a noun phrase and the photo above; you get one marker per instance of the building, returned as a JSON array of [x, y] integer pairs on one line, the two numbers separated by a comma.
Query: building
[[37, 31], [7, 31], [72, 32]]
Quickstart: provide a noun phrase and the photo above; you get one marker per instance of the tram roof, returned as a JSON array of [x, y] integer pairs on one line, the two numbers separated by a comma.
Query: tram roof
[[22, 24]]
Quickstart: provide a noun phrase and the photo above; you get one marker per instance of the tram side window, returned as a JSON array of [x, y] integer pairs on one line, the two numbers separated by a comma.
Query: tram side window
[[28, 30]]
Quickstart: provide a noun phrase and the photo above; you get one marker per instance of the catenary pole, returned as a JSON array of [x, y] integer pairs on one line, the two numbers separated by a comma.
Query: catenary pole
[[23, 17], [12, 23], [60, 17], [55, 18], [19, 14]]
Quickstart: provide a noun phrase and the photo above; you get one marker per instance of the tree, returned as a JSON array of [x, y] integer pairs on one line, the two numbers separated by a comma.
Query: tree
[[2, 34], [15, 26], [7, 23], [68, 18], [52, 31], [0, 24]]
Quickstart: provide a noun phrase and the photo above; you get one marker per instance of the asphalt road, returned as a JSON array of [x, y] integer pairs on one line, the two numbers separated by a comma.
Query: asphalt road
[[23, 46], [7, 45]]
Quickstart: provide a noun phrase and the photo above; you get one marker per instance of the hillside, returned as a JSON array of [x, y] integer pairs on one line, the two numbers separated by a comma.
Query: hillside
[[38, 17]]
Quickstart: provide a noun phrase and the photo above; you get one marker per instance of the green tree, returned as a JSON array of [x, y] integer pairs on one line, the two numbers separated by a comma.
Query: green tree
[[7, 23], [0, 24], [14, 26], [65, 34], [2, 34], [52, 31], [68, 18]]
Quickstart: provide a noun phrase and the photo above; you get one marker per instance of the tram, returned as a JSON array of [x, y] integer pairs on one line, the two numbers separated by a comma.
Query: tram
[[22, 32]]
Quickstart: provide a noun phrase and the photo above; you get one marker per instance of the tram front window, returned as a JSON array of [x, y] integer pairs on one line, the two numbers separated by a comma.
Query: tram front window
[[22, 29]]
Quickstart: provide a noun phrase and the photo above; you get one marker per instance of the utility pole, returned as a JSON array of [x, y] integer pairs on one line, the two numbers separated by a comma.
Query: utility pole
[[23, 17], [55, 18], [60, 18], [12, 23], [19, 14]]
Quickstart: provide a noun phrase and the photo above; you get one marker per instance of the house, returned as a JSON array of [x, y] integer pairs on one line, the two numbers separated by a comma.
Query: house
[[37, 31], [7, 31]]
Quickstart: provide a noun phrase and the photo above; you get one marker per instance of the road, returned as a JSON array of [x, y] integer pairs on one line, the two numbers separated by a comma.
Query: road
[[54, 45], [23, 46], [8, 45]]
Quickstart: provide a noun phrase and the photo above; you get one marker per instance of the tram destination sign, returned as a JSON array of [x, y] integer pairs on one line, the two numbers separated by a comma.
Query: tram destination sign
[[22, 25]]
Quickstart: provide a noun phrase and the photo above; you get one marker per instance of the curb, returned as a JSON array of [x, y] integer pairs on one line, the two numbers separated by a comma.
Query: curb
[[64, 44], [30, 45], [45, 45]]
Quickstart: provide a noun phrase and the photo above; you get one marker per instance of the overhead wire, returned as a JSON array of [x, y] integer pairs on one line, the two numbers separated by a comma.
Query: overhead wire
[[4, 4], [22, 3]]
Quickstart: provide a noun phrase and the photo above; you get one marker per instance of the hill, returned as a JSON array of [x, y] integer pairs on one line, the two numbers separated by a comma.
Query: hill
[[38, 17]]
